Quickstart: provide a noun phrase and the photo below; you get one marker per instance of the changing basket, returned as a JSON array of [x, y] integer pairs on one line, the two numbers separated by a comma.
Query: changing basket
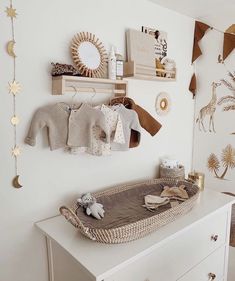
[[125, 217]]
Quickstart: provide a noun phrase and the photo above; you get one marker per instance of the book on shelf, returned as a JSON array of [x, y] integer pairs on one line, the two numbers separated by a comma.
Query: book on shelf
[[140, 48]]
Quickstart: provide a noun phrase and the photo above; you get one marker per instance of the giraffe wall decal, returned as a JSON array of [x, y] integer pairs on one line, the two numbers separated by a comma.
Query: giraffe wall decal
[[209, 110]]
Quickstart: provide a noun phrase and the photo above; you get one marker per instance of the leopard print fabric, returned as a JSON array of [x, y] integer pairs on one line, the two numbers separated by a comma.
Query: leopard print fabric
[[63, 69]]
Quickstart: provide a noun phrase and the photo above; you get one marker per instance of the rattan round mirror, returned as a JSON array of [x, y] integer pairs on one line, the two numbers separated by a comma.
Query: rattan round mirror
[[89, 55]]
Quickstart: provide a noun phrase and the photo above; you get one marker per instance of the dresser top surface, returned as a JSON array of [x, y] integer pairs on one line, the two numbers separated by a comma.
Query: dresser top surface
[[101, 260]]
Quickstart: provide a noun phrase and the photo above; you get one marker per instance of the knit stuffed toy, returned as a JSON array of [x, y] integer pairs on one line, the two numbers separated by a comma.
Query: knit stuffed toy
[[175, 192], [88, 202]]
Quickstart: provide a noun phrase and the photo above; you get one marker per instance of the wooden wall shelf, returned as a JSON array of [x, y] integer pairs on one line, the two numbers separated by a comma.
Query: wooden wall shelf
[[130, 72], [65, 84], [150, 78]]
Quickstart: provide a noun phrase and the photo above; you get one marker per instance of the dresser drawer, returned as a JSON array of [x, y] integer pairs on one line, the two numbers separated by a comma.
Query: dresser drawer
[[180, 254], [212, 268]]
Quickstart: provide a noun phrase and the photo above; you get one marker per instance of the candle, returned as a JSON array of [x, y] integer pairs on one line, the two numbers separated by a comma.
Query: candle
[[198, 178]]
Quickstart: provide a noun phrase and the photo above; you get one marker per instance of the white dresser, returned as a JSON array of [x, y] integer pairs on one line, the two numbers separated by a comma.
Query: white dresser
[[193, 248]]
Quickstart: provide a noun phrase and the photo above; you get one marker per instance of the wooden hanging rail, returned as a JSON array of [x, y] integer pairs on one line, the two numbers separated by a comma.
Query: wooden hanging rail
[[65, 84]]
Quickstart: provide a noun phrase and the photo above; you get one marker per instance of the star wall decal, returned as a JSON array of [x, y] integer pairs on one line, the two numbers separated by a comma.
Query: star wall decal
[[14, 87], [16, 151], [11, 12]]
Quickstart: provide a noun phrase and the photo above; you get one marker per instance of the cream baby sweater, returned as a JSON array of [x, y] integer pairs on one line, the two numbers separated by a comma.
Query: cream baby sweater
[[65, 126], [130, 122]]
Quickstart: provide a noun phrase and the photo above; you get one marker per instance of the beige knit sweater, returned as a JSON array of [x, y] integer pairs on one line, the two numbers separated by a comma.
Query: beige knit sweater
[[66, 127]]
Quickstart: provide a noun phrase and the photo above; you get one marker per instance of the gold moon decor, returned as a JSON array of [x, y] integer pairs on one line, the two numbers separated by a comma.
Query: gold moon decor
[[89, 55], [10, 48], [163, 104], [15, 182]]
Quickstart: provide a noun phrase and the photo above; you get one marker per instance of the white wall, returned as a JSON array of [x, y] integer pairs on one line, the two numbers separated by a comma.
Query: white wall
[[208, 70], [43, 33]]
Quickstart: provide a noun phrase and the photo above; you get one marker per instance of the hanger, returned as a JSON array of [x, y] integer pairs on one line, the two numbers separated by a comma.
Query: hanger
[[117, 103], [77, 91], [73, 97], [93, 96], [70, 105], [123, 100]]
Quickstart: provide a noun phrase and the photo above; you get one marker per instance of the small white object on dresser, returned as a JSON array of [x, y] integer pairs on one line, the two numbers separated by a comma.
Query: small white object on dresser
[[192, 248]]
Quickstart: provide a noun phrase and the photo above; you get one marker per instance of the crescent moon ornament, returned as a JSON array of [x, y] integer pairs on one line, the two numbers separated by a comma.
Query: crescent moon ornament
[[10, 48], [15, 182]]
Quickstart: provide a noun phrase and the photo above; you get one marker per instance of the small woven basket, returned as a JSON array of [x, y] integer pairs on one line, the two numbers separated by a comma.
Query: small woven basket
[[172, 173]]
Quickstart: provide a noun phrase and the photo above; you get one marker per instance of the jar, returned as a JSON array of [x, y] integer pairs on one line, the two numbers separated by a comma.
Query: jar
[[197, 178], [119, 66]]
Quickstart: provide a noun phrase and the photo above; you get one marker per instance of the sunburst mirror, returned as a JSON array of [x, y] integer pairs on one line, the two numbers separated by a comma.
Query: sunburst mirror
[[89, 55]]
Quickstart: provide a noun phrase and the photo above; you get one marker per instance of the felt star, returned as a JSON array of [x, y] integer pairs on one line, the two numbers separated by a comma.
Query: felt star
[[14, 87], [11, 12], [16, 151]]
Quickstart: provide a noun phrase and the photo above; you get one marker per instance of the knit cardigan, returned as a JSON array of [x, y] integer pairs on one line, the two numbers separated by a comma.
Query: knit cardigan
[[67, 127], [151, 125]]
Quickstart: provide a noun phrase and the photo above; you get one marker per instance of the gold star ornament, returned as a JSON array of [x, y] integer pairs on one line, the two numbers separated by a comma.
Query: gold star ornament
[[14, 87], [16, 151], [11, 12]]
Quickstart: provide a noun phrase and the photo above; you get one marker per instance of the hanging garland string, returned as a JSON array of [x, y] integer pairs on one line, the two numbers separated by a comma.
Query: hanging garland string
[[199, 32], [14, 89], [229, 40], [223, 32], [228, 46]]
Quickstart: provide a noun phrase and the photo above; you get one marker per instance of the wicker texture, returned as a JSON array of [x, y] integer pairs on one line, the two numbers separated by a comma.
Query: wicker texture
[[139, 228], [175, 173]]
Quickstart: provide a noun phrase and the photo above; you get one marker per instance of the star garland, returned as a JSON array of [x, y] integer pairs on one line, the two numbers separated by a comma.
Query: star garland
[[14, 88]]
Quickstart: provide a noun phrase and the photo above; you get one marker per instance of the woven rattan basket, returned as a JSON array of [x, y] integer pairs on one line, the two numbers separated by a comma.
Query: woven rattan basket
[[175, 173], [141, 223]]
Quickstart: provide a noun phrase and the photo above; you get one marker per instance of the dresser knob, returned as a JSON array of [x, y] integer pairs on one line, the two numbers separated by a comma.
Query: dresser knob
[[214, 237], [212, 276]]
